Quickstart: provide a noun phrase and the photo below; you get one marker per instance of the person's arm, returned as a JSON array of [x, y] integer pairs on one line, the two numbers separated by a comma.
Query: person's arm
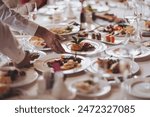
[[16, 21], [51, 39], [9, 45]]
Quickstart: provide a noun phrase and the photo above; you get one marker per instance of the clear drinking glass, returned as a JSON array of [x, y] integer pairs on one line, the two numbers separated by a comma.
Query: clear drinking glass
[[32, 13]]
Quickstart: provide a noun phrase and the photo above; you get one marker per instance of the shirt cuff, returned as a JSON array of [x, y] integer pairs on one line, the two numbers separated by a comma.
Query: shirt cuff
[[16, 56]]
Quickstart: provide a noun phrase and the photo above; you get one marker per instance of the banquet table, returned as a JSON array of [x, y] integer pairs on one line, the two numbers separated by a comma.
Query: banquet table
[[116, 93]]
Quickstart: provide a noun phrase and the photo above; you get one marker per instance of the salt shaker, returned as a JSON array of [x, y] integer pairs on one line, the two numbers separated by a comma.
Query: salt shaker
[[60, 90], [48, 78], [41, 85]]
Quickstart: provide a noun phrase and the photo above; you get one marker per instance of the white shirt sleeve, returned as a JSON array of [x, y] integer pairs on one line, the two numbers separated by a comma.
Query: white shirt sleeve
[[9, 45], [16, 21]]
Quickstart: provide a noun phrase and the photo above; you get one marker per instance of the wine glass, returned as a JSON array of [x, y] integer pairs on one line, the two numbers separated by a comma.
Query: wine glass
[[57, 9], [146, 9], [125, 66]]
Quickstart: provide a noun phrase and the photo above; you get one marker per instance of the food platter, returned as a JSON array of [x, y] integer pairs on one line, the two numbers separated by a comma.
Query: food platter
[[41, 64], [139, 87], [99, 47], [103, 88]]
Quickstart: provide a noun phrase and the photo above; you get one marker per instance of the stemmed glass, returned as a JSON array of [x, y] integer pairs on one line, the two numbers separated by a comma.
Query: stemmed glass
[[125, 66], [129, 18], [146, 9], [58, 7]]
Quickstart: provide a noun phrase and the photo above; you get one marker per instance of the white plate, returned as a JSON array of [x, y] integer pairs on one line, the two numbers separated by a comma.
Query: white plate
[[41, 55], [31, 41], [99, 47], [114, 51], [103, 85], [139, 87], [94, 68], [30, 77], [117, 41], [74, 30], [41, 65]]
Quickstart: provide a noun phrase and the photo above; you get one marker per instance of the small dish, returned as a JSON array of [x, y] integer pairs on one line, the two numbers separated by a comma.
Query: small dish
[[103, 88], [139, 87]]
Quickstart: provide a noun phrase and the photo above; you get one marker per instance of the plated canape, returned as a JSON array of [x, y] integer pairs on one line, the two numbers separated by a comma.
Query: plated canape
[[110, 65], [38, 42], [65, 62], [147, 24], [83, 34], [87, 86], [79, 45], [120, 29], [62, 30], [5, 82]]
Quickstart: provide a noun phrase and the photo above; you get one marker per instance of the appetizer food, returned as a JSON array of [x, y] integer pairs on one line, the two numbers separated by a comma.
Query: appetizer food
[[119, 29], [110, 65], [61, 30], [82, 34], [65, 62], [38, 42], [78, 45], [13, 73], [110, 38], [96, 35], [87, 86], [147, 24], [5, 82], [7, 76]]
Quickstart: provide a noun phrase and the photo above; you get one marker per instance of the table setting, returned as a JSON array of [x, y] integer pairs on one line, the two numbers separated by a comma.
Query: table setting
[[108, 59]]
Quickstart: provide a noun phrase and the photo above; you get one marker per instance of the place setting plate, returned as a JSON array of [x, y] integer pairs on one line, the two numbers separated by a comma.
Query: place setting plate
[[115, 51], [64, 29], [30, 76], [95, 68], [98, 47], [38, 43], [41, 64], [103, 88], [138, 87], [118, 40]]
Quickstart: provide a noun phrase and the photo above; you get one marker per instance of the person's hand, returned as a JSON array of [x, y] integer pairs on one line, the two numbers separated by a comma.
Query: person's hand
[[51, 39], [26, 61]]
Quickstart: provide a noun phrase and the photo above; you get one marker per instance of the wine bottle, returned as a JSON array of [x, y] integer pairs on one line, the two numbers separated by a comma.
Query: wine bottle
[[82, 19]]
